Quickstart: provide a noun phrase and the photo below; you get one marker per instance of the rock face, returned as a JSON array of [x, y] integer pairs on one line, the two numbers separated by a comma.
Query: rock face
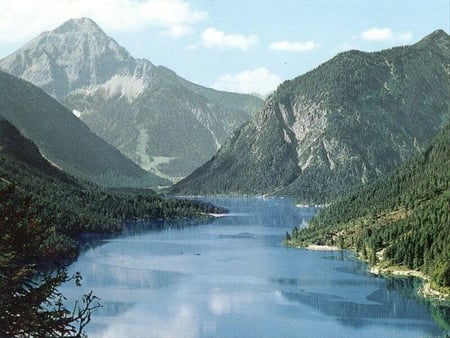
[[162, 122], [65, 140], [349, 121]]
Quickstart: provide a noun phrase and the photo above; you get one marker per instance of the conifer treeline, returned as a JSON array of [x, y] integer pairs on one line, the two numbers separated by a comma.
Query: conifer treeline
[[404, 217], [71, 206]]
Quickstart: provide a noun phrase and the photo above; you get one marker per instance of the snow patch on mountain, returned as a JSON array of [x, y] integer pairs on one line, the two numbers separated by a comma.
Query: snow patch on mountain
[[124, 86]]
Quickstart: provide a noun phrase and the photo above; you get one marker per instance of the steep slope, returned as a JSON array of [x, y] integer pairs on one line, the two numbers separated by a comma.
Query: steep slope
[[350, 120], [13, 144], [66, 206], [400, 220], [161, 121], [64, 139]]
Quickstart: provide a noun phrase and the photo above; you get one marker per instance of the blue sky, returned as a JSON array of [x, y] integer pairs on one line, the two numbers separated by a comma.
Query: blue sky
[[235, 45]]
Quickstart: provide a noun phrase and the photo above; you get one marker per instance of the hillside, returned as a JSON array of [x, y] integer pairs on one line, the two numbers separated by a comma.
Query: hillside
[[161, 121], [401, 220], [65, 140], [349, 121], [69, 206]]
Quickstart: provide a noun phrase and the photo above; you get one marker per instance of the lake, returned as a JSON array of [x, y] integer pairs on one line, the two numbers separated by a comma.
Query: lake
[[232, 277]]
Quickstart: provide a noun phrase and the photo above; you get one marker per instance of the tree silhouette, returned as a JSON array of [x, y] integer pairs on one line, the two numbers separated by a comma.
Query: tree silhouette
[[30, 303]]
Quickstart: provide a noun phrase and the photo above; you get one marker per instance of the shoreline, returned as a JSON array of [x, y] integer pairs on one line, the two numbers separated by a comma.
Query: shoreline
[[217, 215], [425, 291], [317, 206], [315, 247]]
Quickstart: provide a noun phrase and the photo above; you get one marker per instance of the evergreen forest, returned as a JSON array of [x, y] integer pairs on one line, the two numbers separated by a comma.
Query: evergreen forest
[[401, 220]]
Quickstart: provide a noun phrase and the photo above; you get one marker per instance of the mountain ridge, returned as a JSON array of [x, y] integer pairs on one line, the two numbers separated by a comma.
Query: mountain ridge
[[348, 121]]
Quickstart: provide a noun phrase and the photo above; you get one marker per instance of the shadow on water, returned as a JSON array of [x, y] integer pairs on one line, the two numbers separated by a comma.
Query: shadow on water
[[394, 300], [389, 306], [407, 287], [132, 228]]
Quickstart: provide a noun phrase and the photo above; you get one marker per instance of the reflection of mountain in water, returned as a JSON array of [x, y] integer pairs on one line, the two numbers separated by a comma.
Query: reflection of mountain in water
[[137, 228], [395, 302]]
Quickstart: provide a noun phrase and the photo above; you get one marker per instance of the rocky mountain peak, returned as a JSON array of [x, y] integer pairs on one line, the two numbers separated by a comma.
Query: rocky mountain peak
[[437, 35], [437, 41], [79, 25], [77, 54]]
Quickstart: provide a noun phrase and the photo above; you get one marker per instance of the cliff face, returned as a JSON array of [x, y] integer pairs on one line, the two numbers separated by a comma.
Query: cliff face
[[349, 121], [162, 122]]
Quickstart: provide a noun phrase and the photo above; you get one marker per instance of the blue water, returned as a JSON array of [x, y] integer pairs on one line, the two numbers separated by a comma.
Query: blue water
[[232, 277]]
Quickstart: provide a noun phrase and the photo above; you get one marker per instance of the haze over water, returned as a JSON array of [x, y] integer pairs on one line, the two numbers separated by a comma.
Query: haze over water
[[232, 277]]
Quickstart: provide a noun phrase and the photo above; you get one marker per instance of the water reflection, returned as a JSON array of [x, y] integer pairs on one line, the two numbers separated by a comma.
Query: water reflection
[[133, 228], [233, 278]]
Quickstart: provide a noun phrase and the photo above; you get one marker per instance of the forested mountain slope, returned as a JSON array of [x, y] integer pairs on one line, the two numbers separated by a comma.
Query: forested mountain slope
[[402, 220], [349, 121], [69, 206]]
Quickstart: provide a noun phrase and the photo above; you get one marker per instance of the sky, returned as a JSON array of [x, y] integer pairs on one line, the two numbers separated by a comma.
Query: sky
[[247, 46]]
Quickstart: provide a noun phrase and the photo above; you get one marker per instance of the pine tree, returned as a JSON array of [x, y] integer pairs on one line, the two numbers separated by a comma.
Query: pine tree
[[30, 303]]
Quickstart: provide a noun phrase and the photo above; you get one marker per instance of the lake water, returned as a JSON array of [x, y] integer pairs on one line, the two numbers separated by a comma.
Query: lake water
[[232, 277]]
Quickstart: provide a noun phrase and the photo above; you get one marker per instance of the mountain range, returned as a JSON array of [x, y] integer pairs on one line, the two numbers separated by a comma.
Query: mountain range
[[164, 123], [352, 119], [65, 140]]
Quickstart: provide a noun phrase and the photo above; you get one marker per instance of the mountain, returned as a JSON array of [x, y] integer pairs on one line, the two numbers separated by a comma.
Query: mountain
[[65, 140], [398, 220], [162, 122], [347, 122], [64, 204]]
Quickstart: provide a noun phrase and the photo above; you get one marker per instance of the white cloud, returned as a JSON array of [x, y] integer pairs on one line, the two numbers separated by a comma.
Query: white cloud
[[213, 38], [377, 34], [260, 81], [385, 34], [21, 20], [290, 46]]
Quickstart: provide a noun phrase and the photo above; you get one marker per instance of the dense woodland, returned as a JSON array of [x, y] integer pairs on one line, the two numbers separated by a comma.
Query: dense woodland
[[30, 302], [72, 206], [402, 220]]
